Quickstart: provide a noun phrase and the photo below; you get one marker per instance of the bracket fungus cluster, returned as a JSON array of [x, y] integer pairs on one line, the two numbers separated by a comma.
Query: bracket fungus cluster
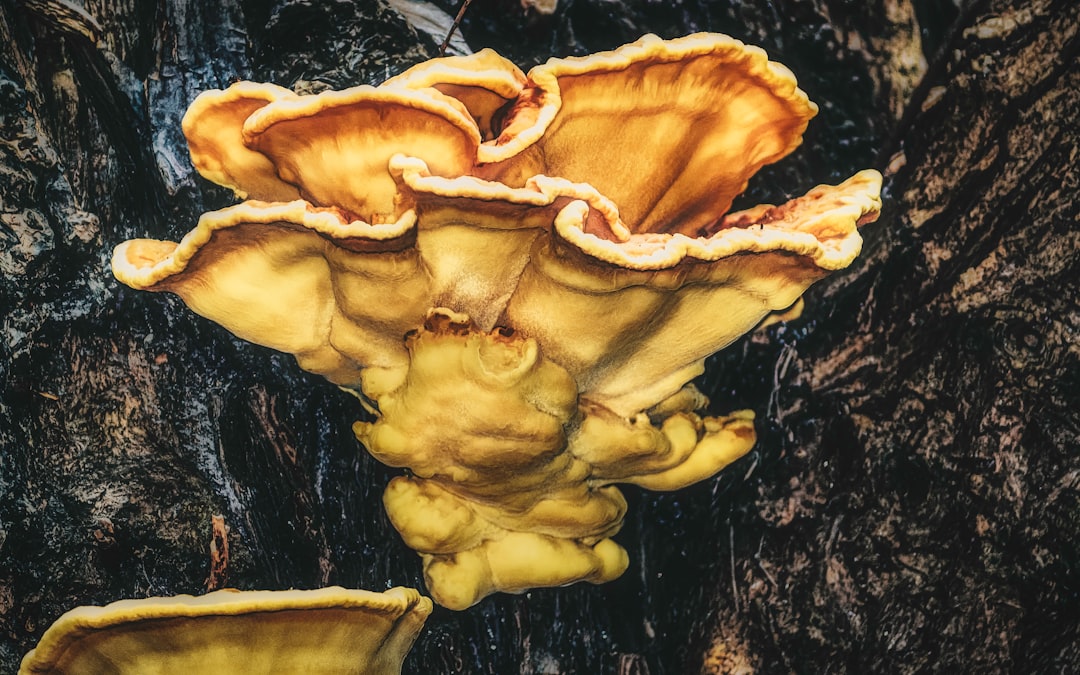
[[519, 274], [330, 631]]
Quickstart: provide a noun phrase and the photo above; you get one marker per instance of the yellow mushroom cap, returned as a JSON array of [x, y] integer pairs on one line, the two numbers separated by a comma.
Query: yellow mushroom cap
[[330, 630], [594, 221]]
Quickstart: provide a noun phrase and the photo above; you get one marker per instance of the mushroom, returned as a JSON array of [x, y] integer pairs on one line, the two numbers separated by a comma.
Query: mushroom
[[330, 630], [519, 274]]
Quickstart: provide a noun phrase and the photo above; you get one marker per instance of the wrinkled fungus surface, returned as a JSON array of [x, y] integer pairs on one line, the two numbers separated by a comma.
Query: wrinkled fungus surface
[[331, 631], [520, 272]]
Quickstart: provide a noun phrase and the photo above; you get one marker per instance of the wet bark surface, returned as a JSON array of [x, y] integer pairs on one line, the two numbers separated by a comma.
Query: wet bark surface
[[912, 505]]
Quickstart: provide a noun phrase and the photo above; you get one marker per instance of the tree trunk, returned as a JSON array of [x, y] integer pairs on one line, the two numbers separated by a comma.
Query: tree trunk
[[912, 504]]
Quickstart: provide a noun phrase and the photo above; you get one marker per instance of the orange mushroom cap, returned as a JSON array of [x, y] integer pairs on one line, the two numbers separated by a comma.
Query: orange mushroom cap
[[213, 126]]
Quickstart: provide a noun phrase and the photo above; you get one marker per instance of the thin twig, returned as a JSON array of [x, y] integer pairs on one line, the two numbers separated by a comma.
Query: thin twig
[[734, 584], [454, 27]]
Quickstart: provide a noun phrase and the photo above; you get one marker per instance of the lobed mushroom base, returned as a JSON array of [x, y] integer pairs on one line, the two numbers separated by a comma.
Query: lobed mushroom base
[[511, 474], [519, 275]]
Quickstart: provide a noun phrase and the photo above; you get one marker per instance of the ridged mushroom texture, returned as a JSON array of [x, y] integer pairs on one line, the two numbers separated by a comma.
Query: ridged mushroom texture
[[522, 272]]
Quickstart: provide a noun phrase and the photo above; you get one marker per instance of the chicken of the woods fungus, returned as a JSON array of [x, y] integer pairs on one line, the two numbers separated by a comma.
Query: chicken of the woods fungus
[[330, 631], [519, 274]]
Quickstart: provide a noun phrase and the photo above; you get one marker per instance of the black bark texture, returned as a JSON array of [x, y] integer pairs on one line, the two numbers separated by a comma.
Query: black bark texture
[[912, 504]]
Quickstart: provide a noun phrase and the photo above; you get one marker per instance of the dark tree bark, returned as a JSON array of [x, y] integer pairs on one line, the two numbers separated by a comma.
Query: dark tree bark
[[912, 505]]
